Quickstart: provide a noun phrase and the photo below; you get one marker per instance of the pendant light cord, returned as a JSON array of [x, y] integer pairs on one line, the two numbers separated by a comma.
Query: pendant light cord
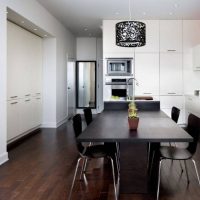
[[129, 6]]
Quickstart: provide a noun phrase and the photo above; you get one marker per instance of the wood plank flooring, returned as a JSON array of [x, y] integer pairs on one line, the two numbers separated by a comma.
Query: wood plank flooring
[[42, 168]]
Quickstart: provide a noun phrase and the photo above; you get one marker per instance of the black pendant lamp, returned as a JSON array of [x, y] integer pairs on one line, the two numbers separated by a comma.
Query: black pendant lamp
[[130, 33]]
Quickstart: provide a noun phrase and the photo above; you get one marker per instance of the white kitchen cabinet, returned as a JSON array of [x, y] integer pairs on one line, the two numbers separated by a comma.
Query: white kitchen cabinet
[[170, 36], [147, 74], [171, 74], [13, 117], [26, 115], [196, 57], [107, 93], [36, 111], [152, 37], [24, 81], [191, 34], [24, 57]]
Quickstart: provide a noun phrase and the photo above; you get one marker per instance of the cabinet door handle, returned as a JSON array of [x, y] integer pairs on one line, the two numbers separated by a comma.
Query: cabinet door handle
[[147, 93], [171, 93], [13, 97], [38, 98], [171, 50], [27, 95], [27, 100], [14, 103], [38, 93]]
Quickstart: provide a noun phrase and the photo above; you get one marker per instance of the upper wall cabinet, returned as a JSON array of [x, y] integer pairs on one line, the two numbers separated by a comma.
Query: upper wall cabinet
[[24, 63], [170, 36], [147, 74], [191, 34], [152, 37], [171, 76]]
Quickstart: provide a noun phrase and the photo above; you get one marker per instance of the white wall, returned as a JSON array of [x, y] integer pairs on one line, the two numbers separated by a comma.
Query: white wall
[[55, 63], [3, 75], [86, 48]]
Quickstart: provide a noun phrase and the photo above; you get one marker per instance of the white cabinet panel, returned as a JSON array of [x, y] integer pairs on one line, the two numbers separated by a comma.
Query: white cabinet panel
[[170, 35], [26, 115], [147, 74], [171, 75], [191, 34], [37, 111], [192, 105], [152, 37], [170, 101], [107, 93], [196, 57], [13, 128]]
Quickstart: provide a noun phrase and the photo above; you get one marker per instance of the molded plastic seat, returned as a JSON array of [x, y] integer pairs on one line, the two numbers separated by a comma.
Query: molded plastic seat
[[175, 153]]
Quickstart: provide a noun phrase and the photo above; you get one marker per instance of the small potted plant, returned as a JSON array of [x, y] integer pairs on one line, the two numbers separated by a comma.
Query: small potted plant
[[133, 119]]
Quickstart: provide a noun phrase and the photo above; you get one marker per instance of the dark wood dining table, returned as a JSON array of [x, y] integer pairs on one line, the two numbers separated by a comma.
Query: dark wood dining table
[[154, 127]]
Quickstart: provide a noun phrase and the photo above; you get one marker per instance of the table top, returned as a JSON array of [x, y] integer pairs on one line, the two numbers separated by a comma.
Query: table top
[[154, 126]]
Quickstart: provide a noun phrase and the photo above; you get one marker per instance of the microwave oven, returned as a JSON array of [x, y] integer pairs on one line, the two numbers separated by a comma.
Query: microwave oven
[[119, 67]]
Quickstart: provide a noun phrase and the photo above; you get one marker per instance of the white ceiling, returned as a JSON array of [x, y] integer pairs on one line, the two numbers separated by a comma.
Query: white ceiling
[[77, 15]]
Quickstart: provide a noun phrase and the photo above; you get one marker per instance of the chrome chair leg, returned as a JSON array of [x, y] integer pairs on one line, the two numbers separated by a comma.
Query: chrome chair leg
[[74, 178], [186, 171], [113, 172], [159, 173], [152, 159], [181, 166], [85, 166], [82, 168], [195, 166], [117, 164], [148, 155]]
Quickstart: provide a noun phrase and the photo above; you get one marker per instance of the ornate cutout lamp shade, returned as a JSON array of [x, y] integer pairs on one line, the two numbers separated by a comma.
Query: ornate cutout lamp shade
[[130, 34]]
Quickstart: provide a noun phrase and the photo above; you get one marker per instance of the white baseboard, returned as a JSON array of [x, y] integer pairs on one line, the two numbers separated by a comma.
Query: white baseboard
[[49, 125], [3, 158], [61, 122], [54, 124]]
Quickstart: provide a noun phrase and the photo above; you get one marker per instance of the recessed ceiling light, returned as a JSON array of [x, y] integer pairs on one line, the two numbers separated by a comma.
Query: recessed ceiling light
[[22, 22], [176, 5], [116, 13], [170, 13], [45, 35], [35, 29], [144, 13], [85, 29]]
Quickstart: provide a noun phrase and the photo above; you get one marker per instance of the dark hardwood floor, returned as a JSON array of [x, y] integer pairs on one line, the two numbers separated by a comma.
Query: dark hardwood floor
[[42, 168]]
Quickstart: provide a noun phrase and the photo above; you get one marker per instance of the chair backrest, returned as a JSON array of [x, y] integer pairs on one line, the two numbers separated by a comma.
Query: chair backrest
[[77, 125], [193, 128], [88, 115], [175, 114]]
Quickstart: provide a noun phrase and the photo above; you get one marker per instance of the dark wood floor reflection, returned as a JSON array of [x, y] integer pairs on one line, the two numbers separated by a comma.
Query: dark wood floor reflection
[[42, 167]]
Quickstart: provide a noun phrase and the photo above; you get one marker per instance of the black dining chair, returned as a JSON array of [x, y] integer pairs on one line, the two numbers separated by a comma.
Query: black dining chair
[[90, 152], [109, 145], [180, 154], [88, 115], [175, 112]]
